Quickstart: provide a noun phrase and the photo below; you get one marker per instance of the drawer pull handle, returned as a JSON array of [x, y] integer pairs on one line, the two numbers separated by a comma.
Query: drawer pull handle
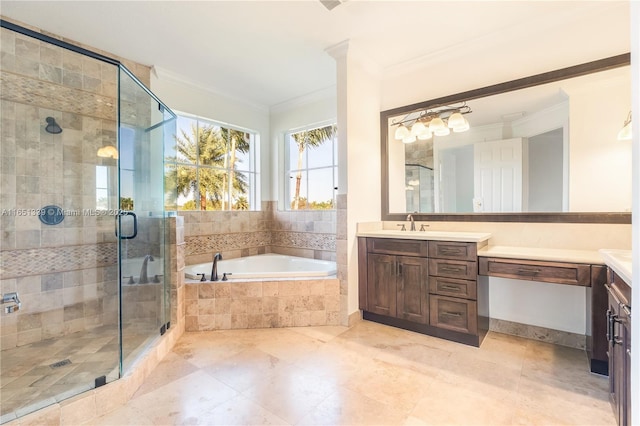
[[450, 287], [449, 251], [452, 314], [451, 269], [527, 271]]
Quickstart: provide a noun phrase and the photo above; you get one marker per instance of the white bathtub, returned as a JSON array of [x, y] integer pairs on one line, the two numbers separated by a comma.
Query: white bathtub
[[265, 266]]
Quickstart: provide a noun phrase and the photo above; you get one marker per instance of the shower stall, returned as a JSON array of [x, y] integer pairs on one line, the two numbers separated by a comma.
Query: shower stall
[[82, 225]]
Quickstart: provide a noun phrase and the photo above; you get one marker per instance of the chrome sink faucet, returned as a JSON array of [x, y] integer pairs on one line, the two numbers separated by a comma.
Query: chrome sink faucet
[[143, 271], [214, 267], [413, 224]]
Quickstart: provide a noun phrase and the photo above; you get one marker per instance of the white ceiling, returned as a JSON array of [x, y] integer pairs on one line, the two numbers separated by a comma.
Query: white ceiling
[[267, 52]]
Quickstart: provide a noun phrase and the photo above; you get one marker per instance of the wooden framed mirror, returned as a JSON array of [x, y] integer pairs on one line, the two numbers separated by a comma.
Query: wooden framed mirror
[[564, 161]]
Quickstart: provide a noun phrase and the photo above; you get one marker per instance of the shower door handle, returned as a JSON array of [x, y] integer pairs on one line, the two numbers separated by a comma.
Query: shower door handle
[[135, 225]]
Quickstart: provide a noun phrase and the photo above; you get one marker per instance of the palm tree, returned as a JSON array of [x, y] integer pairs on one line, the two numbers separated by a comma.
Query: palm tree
[[238, 141], [309, 139], [207, 145]]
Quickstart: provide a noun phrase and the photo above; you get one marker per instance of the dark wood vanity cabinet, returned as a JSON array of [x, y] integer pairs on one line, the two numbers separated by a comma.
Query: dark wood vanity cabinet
[[619, 338], [425, 286], [397, 287]]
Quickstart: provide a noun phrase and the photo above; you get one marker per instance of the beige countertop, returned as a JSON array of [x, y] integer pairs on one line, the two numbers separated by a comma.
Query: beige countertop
[[619, 261], [544, 254], [468, 237]]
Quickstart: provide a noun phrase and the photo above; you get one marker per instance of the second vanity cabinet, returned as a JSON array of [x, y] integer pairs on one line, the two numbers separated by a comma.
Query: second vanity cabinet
[[619, 338], [426, 286]]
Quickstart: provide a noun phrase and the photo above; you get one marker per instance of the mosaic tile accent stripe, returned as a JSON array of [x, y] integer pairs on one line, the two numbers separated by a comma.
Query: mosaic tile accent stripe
[[20, 263], [223, 242], [304, 240], [29, 91]]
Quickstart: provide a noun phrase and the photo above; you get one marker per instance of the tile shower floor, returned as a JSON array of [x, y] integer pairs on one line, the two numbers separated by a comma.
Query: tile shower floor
[[369, 374], [39, 374]]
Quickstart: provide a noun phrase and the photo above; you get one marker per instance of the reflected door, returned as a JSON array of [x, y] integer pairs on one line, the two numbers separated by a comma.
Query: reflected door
[[498, 176]]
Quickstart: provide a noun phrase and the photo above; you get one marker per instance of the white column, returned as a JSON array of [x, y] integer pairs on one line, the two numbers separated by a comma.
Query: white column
[[358, 96]]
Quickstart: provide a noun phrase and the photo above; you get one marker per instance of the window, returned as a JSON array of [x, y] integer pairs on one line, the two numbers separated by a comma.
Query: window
[[311, 175], [212, 166]]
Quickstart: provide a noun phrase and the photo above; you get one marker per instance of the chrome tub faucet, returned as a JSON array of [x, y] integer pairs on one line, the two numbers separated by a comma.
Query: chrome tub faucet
[[144, 279], [214, 267]]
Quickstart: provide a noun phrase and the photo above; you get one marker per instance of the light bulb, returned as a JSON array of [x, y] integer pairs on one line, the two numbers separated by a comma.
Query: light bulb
[[463, 128], [409, 139], [418, 128], [455, 120], [625, 133], [401, 132], [436, 124], [426, 135]]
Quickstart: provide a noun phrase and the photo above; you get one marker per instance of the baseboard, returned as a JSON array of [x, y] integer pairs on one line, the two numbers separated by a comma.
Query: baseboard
[[548, 335], [354, 318]]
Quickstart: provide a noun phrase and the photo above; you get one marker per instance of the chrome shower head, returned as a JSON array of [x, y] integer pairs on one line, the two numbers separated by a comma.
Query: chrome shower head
[[52, 126]]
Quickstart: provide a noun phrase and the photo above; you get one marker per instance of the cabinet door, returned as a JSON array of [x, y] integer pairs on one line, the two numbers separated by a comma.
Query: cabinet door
[[413, 289], [381, 284], [616, 357], [625, 336]]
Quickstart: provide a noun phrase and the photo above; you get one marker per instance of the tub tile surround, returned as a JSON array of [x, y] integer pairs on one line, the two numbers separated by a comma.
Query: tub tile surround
[[310, 234], [261, 304]]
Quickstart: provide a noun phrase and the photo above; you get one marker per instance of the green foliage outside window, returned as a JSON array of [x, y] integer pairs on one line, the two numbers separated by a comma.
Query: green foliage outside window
[[205, 169]]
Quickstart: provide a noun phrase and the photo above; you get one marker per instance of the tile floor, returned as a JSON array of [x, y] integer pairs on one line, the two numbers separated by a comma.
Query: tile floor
[[28, 381], [370, 374]]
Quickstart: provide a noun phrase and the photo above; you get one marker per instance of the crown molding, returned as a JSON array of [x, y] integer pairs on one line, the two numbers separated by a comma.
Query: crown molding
[[496, 38], [167, 75], [299, 101]]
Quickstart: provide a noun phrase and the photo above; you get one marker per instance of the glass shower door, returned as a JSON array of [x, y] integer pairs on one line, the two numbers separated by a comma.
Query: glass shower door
[[141, 227]]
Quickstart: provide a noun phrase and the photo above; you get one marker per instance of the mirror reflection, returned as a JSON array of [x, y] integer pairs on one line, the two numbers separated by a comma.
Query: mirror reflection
[[547, 148]]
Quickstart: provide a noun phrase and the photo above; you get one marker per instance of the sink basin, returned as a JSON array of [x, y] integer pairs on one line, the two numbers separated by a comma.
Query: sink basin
[[427, 235], [620, 261]]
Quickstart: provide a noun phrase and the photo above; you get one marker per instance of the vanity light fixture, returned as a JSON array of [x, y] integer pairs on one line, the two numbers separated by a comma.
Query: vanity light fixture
[[625, 133], [438, 120]]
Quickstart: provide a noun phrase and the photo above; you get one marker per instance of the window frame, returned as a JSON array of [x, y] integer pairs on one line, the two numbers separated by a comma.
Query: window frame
[[288, 172], [252, 172]]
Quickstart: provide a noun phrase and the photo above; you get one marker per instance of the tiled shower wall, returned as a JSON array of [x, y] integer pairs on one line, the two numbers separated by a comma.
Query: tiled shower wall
[[65, 274], [310, 234]]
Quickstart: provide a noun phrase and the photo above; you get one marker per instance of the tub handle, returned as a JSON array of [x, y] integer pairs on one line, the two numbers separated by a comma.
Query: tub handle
[[224, 276], [203, 278]]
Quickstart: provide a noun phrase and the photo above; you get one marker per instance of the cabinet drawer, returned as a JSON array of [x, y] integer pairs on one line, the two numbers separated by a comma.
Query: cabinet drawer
[[551, 272], [453, 287], [453, 250], [453, 269], [453, 314], [397, 247]]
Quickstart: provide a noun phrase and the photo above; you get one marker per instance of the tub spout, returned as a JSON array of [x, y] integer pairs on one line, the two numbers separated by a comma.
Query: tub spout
[[214, 267], [143, 271]]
